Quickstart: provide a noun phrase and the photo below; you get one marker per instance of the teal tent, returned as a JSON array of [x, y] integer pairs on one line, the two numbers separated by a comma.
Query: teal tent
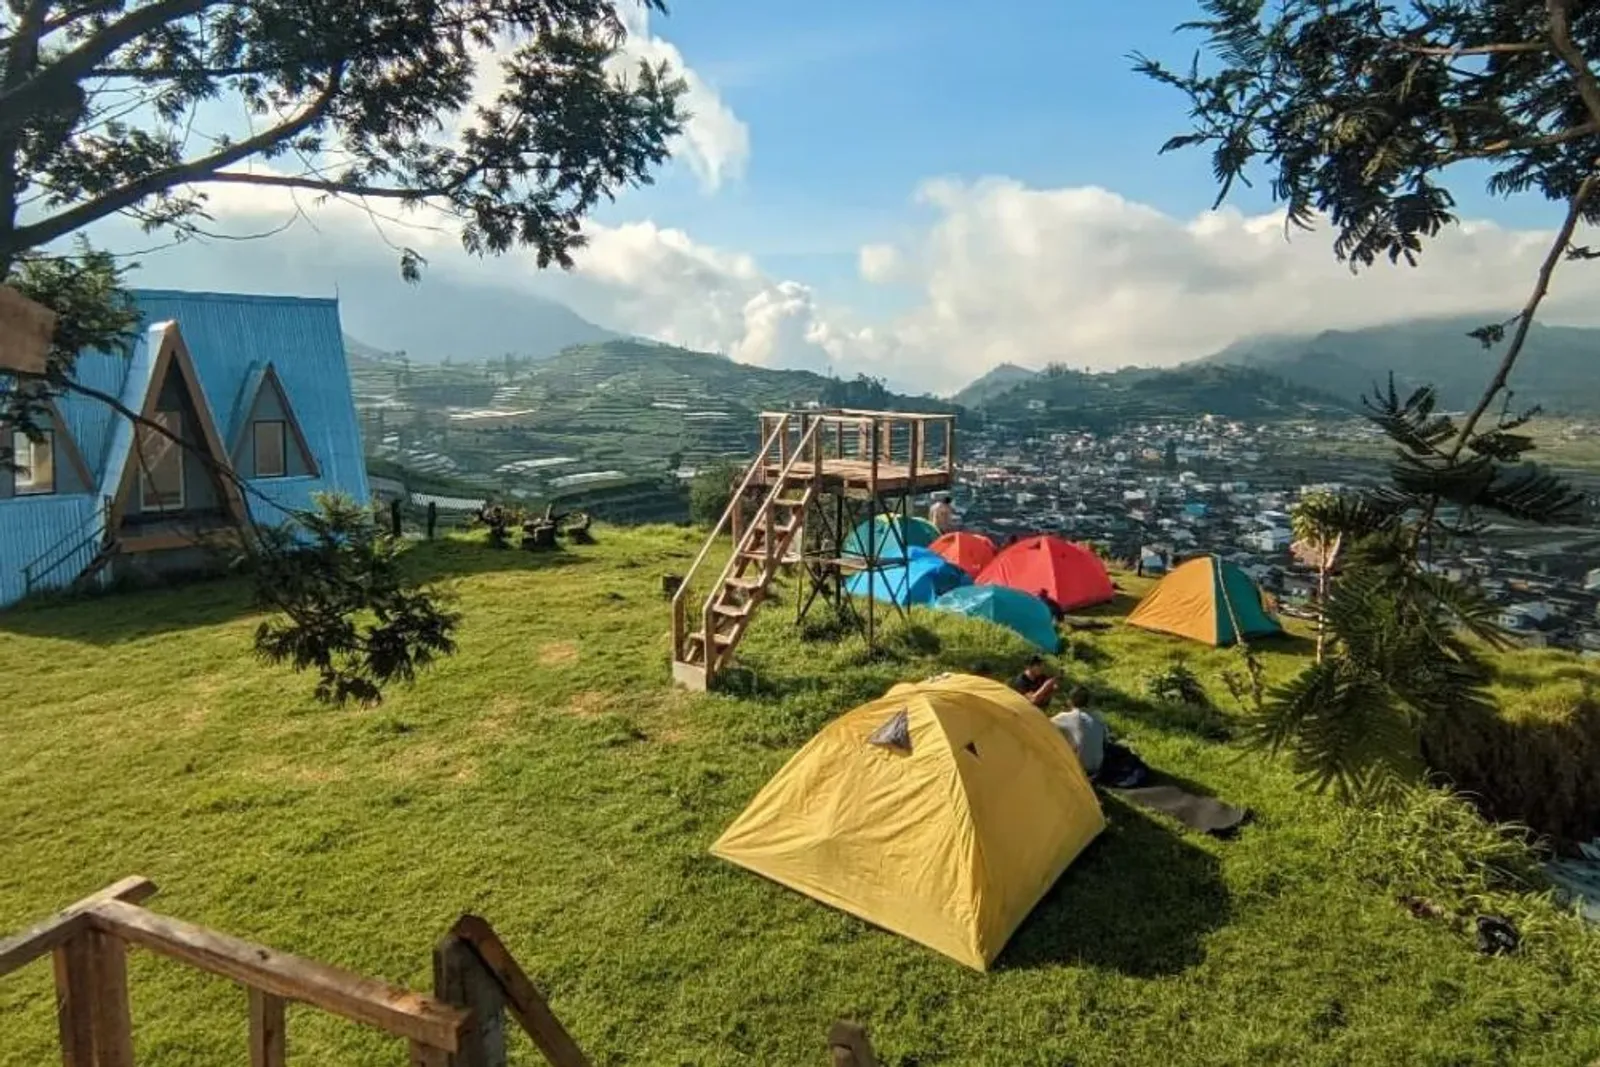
[[1011, 608], [1209, 600], [921, 578], [894, 534]]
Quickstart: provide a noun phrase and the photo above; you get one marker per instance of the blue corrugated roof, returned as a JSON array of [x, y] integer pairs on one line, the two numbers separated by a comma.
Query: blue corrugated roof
[[229, 335], [231, 338]]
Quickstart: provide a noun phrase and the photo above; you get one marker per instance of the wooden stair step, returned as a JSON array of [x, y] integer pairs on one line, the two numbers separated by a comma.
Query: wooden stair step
[[747, 584], [733, 611], [721, 640]]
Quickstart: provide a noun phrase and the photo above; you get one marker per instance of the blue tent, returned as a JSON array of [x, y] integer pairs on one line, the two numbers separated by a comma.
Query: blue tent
[[921, 579], [894, 534], [1011, 608]]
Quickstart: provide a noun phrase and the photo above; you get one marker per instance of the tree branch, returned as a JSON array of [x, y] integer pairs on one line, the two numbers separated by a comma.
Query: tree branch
[[1450, 52], [19, 103], [1561, 40], [322, 185], [1523, 144], [1541, 287], [165, 73], [47, 230]]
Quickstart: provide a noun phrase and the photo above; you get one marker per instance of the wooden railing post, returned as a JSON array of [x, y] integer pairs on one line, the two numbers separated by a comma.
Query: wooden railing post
[[113, 1021], [268, 1039], [74, 963], [460, 978]]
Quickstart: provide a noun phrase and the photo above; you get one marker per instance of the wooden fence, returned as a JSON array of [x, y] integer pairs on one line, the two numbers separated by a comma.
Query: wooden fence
[[477, 985]]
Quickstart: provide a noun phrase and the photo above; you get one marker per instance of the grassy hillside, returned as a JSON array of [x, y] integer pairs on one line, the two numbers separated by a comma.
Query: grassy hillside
[[1066, 399], [992, 383], [549, 779]]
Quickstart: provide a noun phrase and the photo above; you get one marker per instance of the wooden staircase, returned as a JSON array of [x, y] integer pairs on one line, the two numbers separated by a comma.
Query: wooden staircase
[[772, 540]]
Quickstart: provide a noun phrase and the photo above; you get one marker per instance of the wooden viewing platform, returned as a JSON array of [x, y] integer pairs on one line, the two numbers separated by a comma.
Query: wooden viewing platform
[[847, 459]]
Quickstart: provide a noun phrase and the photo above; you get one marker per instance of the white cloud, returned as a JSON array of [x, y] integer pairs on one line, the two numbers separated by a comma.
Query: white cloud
[[715, 142], [879, 263], [1004, 273]]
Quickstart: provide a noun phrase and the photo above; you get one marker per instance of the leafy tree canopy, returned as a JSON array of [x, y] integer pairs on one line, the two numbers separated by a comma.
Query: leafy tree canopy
[[110, 107], [1356, 108]]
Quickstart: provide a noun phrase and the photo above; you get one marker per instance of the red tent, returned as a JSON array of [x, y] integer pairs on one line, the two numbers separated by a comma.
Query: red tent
[[969, 551], [1067, 573]]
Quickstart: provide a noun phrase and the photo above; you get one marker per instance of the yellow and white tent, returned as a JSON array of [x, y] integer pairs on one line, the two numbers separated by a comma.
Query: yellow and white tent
[[942, 811]]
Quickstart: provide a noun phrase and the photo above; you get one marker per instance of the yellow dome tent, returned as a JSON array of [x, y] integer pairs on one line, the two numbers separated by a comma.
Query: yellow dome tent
[[1206, 600], [943, 811]]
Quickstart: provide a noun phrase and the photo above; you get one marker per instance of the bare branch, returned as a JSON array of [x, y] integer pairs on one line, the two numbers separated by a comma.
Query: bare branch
[[1524, 144], [194, 171], [322, 185], [1452, 51], [1561, 40], [1558, 249]]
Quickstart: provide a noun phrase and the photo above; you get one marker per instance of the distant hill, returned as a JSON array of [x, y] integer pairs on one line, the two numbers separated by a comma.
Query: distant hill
[[1559, 368], [357, 350], [635, 407], [1059, 398], [999, 380], [436, 319]]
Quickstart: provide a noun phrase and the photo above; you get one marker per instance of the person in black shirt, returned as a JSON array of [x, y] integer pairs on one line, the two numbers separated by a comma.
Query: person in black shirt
[[1035, 683], [1057, 612]]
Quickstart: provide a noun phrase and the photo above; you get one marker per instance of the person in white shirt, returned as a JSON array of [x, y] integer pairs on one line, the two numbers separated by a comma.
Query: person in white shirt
[[942, 514], [1086, 733]]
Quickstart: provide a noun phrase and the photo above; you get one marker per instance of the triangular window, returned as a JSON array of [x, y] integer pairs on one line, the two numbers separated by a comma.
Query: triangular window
[[267, 439]]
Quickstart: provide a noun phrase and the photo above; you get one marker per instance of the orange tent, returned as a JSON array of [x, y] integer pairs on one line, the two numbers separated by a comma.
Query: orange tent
[[1067, 573], [970, 551]]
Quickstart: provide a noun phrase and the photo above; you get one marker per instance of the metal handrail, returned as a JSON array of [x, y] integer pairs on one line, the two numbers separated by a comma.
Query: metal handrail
[[100, 528]]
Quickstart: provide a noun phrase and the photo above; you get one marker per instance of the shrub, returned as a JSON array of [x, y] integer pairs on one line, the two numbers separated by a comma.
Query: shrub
[[1537, 759], [1177, 684], [1433, 851]]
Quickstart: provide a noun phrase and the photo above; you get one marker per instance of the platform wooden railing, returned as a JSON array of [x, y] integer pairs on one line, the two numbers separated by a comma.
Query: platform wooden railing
[[924, 443], [477, 983]]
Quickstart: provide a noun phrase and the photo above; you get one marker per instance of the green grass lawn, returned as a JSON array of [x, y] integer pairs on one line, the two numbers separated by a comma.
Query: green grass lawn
[[549, 779]]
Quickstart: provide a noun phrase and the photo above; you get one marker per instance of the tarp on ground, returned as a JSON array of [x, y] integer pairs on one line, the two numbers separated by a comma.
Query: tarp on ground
[[943, 811], [970, 551], [1012, 608], [1208, 600], [893, 535], [921, 578], [1067, 573]]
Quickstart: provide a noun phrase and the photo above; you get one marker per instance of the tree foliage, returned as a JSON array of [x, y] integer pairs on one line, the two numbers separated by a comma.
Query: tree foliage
[[346, 609], [1402, 642], [710, 490], [1355, 109], [112, 108], [109, 108]]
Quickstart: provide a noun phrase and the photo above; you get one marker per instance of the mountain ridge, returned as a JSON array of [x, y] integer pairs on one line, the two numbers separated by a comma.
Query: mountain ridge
[[1557, 369]]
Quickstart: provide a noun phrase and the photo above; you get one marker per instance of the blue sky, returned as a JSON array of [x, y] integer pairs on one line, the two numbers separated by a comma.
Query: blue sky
[[851, 105], [1020, 113]]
